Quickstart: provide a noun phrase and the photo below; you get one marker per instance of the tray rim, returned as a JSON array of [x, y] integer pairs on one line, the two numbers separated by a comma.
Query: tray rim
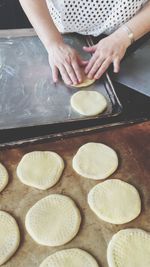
[[17, 33], [52, 137]]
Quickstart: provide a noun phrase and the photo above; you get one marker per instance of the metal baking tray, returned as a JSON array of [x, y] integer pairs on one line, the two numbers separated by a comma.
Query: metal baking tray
[[28, 96]]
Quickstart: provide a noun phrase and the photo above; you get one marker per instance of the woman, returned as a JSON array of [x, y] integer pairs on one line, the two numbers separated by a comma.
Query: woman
[[124, 21]]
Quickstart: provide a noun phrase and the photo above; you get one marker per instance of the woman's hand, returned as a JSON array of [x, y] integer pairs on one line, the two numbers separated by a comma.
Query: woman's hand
[[109, 50], [65, 59]]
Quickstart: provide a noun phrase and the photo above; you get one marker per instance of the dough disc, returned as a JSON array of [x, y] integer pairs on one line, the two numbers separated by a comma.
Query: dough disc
[[70, 258], [115, 201], [53, 221], [40, 169], [95, 161], [88, 103], [3, 177], [9, 236], [87, 82], [129, 248]]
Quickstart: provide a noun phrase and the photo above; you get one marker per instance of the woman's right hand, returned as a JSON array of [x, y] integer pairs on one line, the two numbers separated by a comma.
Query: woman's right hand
[[62, 58], [65, 59]]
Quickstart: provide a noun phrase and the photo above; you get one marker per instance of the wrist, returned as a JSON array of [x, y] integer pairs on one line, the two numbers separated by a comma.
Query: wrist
[[54, 42], [123, 36], [128, 31]]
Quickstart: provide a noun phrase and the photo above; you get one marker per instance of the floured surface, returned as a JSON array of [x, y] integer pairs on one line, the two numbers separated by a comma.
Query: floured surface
[[95, 161], [70, 258], [115, 201], [9, 236], [132, 146], [40, 169], [3, 177], [129, 248], [88, 103], [53, 221]]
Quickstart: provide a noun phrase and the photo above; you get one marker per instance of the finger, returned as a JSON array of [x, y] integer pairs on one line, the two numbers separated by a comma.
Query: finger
[[81, 62], [55, 74], [97, 64], [90, 49], [71, 73], [65, 75], [91, 62], [77, 71], [116, 64], [103, 68]]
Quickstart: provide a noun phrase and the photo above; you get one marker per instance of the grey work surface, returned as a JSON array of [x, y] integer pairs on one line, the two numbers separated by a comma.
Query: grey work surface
[[135, 70], [28, 96]]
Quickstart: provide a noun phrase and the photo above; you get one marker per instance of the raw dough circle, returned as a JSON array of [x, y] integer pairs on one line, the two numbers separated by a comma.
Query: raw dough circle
[[88, 103], [70, 258], [95, 161], [87, 82], [40, 169], [3, 177], [129, 248], [53, 221], [115, 201], [9, 236]]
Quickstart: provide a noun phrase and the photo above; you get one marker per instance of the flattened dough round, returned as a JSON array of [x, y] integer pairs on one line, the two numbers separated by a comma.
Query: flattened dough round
[[88, 103], [9, 236], [53, 221], [129, 248], [87, 82], [40, 169], [115, 201], [70, 258], [95, 161], [3, 177]]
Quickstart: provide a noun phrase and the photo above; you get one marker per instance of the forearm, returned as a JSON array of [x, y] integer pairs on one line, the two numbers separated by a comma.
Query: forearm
[[139, 24], [38, 14]]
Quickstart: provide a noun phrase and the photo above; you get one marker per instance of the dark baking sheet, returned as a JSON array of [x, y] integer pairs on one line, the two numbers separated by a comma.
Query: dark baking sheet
[[28, 96], [132, 146]]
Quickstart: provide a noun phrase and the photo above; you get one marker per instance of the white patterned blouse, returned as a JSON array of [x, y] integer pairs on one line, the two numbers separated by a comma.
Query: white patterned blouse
[[92, 17]]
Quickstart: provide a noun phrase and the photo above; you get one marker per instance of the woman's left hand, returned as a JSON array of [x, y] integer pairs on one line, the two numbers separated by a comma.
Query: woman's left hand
[[109, 50]]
